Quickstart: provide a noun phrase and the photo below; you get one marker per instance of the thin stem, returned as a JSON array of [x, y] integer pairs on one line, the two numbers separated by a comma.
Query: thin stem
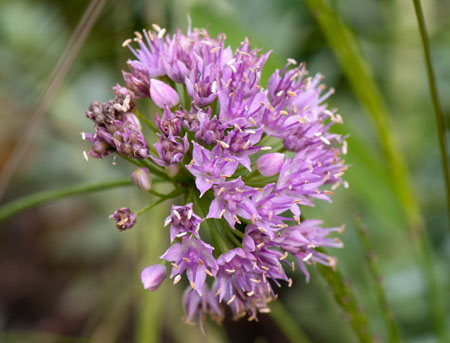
[[388, 316], [347, 301], [40, 198], [146, 164], [147, 122], [287, 324], [171, 195], [439, 116]]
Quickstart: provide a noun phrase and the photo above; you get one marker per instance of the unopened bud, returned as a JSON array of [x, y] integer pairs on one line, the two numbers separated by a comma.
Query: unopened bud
[[162, 94], [141, 177], [153, 276], [270, 164]]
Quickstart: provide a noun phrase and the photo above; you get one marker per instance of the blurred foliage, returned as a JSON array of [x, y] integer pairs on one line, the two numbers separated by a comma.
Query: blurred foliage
[[65, 270]]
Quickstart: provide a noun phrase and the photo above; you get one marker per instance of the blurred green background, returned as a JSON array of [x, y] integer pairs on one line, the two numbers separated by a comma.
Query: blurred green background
[[66, 273]]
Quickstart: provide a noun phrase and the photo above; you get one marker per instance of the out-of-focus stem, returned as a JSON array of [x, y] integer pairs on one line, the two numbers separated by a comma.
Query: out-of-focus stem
[[40, 198], [439, 116], [347, 301], [287, 324], [388, 316]]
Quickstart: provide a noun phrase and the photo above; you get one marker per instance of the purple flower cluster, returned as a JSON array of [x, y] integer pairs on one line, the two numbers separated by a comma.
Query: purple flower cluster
[[250, 157]]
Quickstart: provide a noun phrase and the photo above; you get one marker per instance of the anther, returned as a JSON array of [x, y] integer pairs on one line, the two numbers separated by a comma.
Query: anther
[[284, 256], [231, 300], [85, 155], [307, 257], [176, 279], [126, 42], [223, 144], [175, 212], [156, 27]]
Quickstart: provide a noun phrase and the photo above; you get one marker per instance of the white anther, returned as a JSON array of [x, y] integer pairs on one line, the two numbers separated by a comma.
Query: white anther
[[307, 257], [85, 155], [175, 212]]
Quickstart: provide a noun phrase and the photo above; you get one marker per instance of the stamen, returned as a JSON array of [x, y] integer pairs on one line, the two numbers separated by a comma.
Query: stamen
[[231, 300], [263, 230], [156, 27], [221, 190], [222, 213], [255, 280], [189, 215], [292, 61], [126, 42], [284, 256], [191, 163], [175, 212], [186, 259], [176, 266], [85, 155], [223, 144], [290, 282], [308, 257], [176, 279]]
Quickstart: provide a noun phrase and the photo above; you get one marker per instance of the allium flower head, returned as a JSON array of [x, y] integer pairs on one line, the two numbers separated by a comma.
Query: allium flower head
[[246, 156]]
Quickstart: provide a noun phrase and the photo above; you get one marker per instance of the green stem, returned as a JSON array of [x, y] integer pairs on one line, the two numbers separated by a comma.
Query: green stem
[[347, 301], [388, 316], [146, 121], [146, 164], [171, 195], [36, 199], [287, 324], [439, 116]]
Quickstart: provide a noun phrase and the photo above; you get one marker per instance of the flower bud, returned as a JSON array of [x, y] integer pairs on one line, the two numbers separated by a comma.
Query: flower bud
[[125, 219], [153, 276], [141, 177], [270, 164], [162, 94]]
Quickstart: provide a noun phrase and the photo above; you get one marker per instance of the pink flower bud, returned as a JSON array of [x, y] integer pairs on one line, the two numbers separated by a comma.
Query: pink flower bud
[[162, 94], [153, 276], [141, 177], [270, 164]]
